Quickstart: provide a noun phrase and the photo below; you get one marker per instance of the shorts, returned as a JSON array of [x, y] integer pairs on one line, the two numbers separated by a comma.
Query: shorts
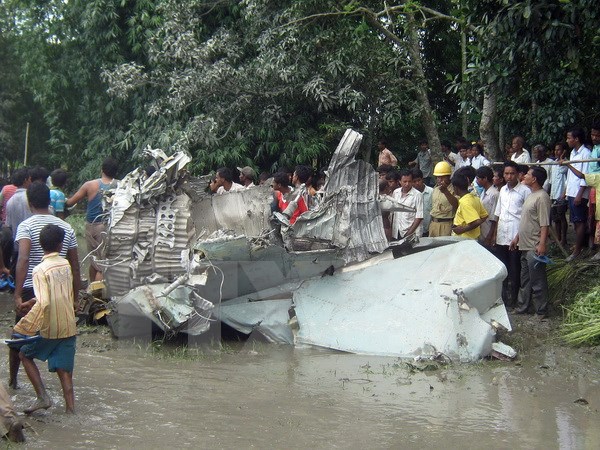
[[94, 237], [578, 213], [559, 209], [60, 353]]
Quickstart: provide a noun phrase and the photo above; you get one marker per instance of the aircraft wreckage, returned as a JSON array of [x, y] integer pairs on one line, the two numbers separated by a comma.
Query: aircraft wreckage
[[177, 258]]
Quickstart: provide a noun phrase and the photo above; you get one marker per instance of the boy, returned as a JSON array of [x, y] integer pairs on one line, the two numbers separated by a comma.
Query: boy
[[53, 315], [57, 196], [470, 213]]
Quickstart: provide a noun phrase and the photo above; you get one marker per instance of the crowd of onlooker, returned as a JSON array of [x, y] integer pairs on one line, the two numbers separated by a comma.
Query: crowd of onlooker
[[513, 207]]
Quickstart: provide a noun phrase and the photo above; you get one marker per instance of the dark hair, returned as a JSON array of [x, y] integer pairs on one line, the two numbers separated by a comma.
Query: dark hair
[[417, 173], [225, 173], [478, 147], [51, 238], [264, 176], [38, 195], [520, 138], [281, 178], [423, 141], [20, 176], [467, 171], [384, 168], [512, 164], [383, 142], [406, 173], [460, 140], [578, 133], [595, 126], [303, 173], [459, 180], [383, 185], [110, 167], [59, 177], [393, 175], [38, 173], [446, 144], [464, 146], [562, 145], [485, 172], [540, 174], [499, 170], [523, 168]]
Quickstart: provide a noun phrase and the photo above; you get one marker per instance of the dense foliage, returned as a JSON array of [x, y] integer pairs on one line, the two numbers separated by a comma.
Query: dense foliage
[[272, 83]]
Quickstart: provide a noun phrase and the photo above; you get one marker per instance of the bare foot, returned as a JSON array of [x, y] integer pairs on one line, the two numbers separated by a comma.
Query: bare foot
[[13, 385], [15, 432], [40, 403]]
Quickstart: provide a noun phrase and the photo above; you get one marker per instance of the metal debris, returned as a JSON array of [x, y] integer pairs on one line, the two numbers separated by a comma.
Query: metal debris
[[175, 256]]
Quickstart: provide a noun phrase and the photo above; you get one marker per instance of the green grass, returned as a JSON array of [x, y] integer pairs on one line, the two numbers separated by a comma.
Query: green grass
[[582, 322], [566, 280], [77, 221]]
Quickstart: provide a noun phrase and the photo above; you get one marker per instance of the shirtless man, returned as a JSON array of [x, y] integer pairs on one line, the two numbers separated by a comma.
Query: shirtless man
[[95, 225]]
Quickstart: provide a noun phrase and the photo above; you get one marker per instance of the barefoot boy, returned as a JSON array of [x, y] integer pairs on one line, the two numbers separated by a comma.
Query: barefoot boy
[[53, 315]]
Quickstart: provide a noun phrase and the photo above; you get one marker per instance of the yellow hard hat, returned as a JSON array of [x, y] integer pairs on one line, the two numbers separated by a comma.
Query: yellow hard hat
[[442, 168]]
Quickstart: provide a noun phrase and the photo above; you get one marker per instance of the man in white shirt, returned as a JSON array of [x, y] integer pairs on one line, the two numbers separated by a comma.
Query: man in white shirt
[[489, 198], [247, 176], [427, 192], [505, 228], [462, 159], [577, 190], [520, 155], [406, 223], [539, 156], [224, 181], [476, 157]]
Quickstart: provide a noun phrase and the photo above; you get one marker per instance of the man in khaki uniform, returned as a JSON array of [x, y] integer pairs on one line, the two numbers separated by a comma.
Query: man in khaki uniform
[[443, 202]]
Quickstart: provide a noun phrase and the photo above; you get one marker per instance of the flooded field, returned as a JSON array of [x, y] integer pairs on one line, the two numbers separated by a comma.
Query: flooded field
[[257, 395]]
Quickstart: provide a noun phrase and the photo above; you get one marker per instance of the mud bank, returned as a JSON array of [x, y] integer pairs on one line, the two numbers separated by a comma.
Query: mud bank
[[257, 395]]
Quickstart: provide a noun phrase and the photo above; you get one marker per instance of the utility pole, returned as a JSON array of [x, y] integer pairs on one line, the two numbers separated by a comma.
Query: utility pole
[[26, 144]]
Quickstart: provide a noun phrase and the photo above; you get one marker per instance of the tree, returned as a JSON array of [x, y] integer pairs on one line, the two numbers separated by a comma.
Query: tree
[[530, 59]]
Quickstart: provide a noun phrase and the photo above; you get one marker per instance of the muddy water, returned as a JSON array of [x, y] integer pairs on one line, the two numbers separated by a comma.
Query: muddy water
[[130, 395]]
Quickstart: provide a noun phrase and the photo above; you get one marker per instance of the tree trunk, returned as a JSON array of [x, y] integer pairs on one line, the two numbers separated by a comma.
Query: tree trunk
[[463, 66], [427, 116], [486, 126]]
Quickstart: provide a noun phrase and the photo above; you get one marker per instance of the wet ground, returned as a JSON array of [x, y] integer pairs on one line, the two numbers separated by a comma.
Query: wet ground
[[255, 395]]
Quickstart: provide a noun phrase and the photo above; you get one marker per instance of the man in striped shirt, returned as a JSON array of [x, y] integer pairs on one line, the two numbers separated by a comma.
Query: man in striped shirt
[[30, 255], [53, 316]]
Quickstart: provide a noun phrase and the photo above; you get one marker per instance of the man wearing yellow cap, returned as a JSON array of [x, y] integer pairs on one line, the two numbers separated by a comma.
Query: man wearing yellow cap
[[443, 202]]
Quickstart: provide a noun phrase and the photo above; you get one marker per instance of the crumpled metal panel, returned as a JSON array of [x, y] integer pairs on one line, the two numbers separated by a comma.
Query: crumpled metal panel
[[418, 305], [355, 220], [268, 317], [180, 309], [245, 212], [252, 265], [150, 230]]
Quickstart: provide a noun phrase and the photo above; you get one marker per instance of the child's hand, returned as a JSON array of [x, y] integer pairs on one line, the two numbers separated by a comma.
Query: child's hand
[[25, 307]]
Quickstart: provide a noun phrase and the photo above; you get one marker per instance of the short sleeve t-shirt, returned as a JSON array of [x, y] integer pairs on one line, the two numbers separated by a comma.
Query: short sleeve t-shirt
[[57, 200], [30, 229], [535, 214], [469, 210]]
